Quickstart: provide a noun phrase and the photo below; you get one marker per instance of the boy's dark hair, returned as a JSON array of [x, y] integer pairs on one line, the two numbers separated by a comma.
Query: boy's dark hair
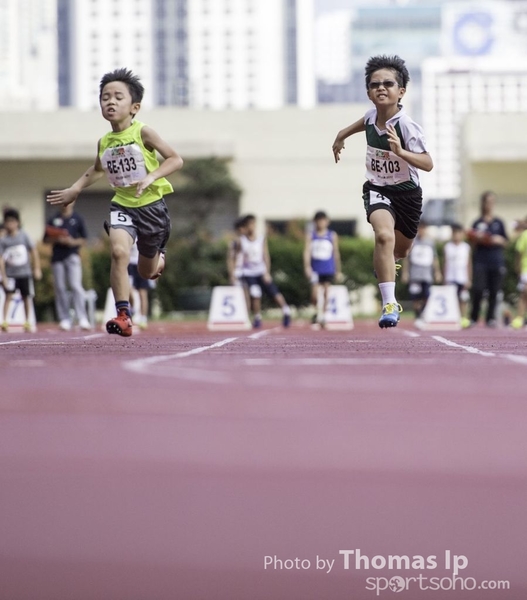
[[11, 213], [484, 196], [238, 223], [320, 214], [456, 227], [247, 219], [127, 77], [394, 63]]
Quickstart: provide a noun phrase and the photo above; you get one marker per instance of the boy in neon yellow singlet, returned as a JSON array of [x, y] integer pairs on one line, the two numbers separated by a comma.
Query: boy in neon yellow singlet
[[138, 211]]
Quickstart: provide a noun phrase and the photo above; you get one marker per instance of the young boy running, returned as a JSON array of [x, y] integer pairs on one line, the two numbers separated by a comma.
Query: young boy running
[[395, 151], [257, 272], [127, 155], [19, 260], [458, 268], [321, 259]]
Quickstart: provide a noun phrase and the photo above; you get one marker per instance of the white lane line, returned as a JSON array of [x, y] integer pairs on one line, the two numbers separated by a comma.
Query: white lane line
[[25, 341], [470, 349], [27, 363], [312, 362], [141, 365], [412, 334], [259, 334], [91, 336], [516, 358]]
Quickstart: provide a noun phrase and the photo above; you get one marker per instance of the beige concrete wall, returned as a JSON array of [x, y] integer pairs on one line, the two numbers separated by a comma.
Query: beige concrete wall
[[282, 159], [495, 158]]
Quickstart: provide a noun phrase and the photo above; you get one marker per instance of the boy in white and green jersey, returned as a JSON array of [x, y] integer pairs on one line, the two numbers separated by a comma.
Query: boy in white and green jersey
[[396, 150], [138, 211]]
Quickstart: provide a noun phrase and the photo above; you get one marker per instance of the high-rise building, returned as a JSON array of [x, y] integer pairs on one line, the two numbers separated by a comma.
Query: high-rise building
[[215, 54], [333, 56], [411, 30], [454, 88], [28, 64], [482, 71], [238, 54], [97, 36]]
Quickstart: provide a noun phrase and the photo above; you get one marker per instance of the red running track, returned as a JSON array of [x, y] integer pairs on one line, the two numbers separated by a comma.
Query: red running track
[[169, 465]]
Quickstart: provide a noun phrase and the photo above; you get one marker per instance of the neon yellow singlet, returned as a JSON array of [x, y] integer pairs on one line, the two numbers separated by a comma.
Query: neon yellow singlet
[[521, 248], [126, 160]]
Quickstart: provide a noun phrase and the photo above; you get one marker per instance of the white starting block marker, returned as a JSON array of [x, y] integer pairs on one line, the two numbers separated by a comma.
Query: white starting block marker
[[228, 309], [16, 316], [109, 308], [442, 309], [338, 309]]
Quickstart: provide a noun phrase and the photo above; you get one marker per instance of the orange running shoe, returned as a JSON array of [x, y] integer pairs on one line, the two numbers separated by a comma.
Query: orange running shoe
[[121, 324]]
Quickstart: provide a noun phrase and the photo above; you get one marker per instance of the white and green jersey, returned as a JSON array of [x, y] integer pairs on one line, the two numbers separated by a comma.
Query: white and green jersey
[[383, 167]]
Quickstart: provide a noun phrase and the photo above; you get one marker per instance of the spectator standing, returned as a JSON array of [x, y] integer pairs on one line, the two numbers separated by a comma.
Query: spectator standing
[[67, 232], [421, 269], [19, 262], [489, 238]]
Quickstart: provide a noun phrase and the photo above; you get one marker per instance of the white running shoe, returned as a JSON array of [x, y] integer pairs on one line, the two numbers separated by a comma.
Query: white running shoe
[[85, 325], [65, 325]]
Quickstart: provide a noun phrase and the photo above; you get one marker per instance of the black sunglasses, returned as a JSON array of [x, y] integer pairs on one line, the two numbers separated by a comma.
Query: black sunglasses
[[387, 83]]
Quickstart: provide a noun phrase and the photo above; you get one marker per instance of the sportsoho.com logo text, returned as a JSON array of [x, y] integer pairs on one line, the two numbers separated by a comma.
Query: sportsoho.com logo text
[[451, 563], [397, 583]]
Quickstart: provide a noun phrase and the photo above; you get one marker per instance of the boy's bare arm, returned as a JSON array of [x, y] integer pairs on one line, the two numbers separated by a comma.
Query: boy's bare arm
[[173, 162], [307, 256], [344, 134], [2, 272], [69, 195], [469, 282], [421, 161], [336, 250], [35, 257], [267, 260]]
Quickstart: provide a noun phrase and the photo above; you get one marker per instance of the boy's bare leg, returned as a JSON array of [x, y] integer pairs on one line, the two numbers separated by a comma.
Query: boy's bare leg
[[257, 305], [403, 245], [326, 296], [383, 255], [143, 297], [27, 307], [8, 297], [150, 267], [280, 300], [121, 244], [314, 295]]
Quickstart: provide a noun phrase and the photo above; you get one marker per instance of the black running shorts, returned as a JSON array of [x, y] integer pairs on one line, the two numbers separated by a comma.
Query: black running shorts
[[149, 224], [405, 206]]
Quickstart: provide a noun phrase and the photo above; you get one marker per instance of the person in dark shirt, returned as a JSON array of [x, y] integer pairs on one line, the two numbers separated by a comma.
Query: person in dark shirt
[[489, 238], [66, 230]]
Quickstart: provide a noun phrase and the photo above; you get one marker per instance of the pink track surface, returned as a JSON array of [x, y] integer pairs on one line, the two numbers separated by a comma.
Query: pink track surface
[[168, 465]]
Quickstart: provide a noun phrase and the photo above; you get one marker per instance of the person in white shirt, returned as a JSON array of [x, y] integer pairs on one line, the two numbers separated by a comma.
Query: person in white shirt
[[458, 268], [257, 272]]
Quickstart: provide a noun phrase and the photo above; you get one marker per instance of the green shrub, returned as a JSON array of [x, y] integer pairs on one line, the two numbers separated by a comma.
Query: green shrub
[[199, 263], [100, 271], [191, 263]]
